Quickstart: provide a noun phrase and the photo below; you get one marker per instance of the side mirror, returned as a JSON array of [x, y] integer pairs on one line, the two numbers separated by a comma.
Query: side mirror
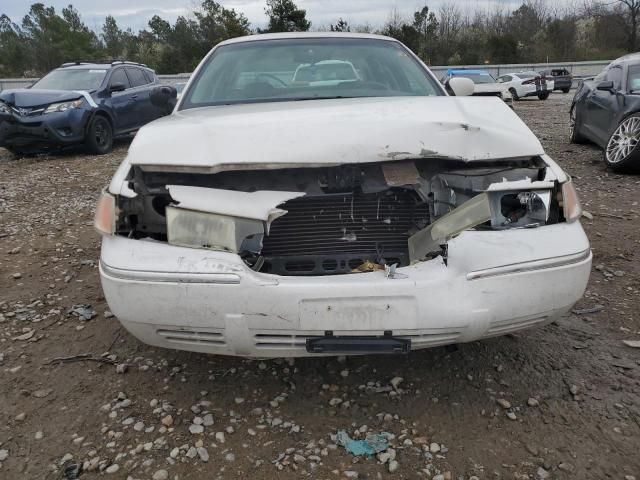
[[606, 86], [163, 96], [461, 87], [117, 87]]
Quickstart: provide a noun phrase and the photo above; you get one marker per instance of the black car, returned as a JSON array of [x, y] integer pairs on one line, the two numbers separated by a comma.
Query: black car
[[81, 103], [562, 78], [606, 111]]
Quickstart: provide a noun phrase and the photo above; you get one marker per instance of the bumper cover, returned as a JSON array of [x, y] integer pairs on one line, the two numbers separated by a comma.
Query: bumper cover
[[493, 283], [62, 128]]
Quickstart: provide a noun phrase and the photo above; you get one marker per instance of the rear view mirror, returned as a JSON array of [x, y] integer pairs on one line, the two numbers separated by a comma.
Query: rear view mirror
[[606, 86], [163, 96], [117, 87], [461, 87]]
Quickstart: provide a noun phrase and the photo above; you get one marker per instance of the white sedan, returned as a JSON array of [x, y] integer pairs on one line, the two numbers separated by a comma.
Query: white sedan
[[527, 84], [268, 218]]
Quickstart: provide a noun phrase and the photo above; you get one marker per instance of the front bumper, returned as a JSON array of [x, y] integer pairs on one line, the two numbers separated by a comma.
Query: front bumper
[[492, 283], [51, 129]]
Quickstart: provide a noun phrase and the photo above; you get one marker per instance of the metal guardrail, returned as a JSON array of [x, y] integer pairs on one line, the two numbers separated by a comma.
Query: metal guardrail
[[577, 69]]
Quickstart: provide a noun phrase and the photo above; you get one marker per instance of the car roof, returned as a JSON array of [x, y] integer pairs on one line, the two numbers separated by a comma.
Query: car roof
[[85, 66], [305, 35], [628, 58], [462, 71], [101, 66]]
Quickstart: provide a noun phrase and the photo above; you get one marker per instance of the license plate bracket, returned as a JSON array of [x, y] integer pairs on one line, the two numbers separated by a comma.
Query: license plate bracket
[[362, 344]]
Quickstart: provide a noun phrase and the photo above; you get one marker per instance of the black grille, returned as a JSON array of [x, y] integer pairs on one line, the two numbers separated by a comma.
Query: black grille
[[337, 233]]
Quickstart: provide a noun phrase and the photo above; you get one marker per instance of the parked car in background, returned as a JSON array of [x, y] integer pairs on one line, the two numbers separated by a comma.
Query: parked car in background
[[606, 111], [562, 78], [526, 84], [79, 103], [484, 84], [375, 215], [325, 72]]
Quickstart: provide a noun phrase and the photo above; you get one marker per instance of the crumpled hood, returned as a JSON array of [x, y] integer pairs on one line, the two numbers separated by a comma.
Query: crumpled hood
[[331, 132], [26, 98]]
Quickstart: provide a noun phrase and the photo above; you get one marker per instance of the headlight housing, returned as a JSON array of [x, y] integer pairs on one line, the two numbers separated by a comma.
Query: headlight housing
[[63, 106], [190, 228], [106, 214], [4, 108], [570, 204]]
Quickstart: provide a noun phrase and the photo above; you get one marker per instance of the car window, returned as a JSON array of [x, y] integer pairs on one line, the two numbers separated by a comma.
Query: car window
[[148, 75], [305, 69], [118, 76], [506, 78], [72, 79], [633, 79], [137, 76], [614, 75]]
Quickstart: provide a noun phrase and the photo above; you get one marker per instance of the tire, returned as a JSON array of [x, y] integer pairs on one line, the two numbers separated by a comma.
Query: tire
[[575, 135], [514, 94], [543, 96], [565, 90], [622, 153], [99, 138]]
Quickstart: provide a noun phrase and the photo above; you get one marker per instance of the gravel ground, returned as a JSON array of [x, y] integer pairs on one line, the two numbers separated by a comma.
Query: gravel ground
[[562, 401]]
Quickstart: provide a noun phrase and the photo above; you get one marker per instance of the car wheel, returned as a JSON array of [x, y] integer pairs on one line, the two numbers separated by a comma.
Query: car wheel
[[543, 96], [622, 153], [565, 90], [514, 94], [575, 137], [99, 135]]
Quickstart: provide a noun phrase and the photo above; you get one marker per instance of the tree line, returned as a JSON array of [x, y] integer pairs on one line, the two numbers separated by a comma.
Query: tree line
[[537, 31]]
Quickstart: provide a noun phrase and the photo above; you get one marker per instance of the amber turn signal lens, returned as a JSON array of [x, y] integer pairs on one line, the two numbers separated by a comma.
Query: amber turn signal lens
[[105, 219], [570, 203]]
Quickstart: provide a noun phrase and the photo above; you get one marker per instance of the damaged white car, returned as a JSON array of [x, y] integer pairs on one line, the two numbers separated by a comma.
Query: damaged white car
[[269, 218]]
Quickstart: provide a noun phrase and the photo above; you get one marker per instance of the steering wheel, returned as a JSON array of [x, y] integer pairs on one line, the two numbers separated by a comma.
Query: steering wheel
[[273, 77]]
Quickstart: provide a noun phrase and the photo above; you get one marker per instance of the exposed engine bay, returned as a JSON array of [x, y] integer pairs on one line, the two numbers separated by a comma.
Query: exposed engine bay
[[338, 219]]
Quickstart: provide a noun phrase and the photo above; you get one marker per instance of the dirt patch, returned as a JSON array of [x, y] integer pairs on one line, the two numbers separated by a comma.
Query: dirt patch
[[573, 387]]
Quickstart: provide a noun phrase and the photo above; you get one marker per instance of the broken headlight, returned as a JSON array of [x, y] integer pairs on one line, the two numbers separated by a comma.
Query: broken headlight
[[190, 228], [63, 106], [518, 209]]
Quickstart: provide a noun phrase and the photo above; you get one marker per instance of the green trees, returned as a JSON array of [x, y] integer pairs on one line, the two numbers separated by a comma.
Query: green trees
[[537, 31], [14, 60], [285, 16], [47, 38]]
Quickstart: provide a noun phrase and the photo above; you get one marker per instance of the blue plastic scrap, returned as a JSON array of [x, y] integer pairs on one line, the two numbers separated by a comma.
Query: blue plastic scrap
[[372, 444]]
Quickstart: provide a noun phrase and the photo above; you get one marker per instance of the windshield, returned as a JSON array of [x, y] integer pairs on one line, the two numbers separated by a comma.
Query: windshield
[[308, 69], [478, 78], [71, 79]]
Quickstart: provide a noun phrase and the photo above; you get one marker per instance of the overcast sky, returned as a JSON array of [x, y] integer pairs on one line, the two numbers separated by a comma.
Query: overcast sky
[[136, 13]]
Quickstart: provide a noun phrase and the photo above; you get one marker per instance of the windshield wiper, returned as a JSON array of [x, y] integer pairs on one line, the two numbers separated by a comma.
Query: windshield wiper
[[333, 97]]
